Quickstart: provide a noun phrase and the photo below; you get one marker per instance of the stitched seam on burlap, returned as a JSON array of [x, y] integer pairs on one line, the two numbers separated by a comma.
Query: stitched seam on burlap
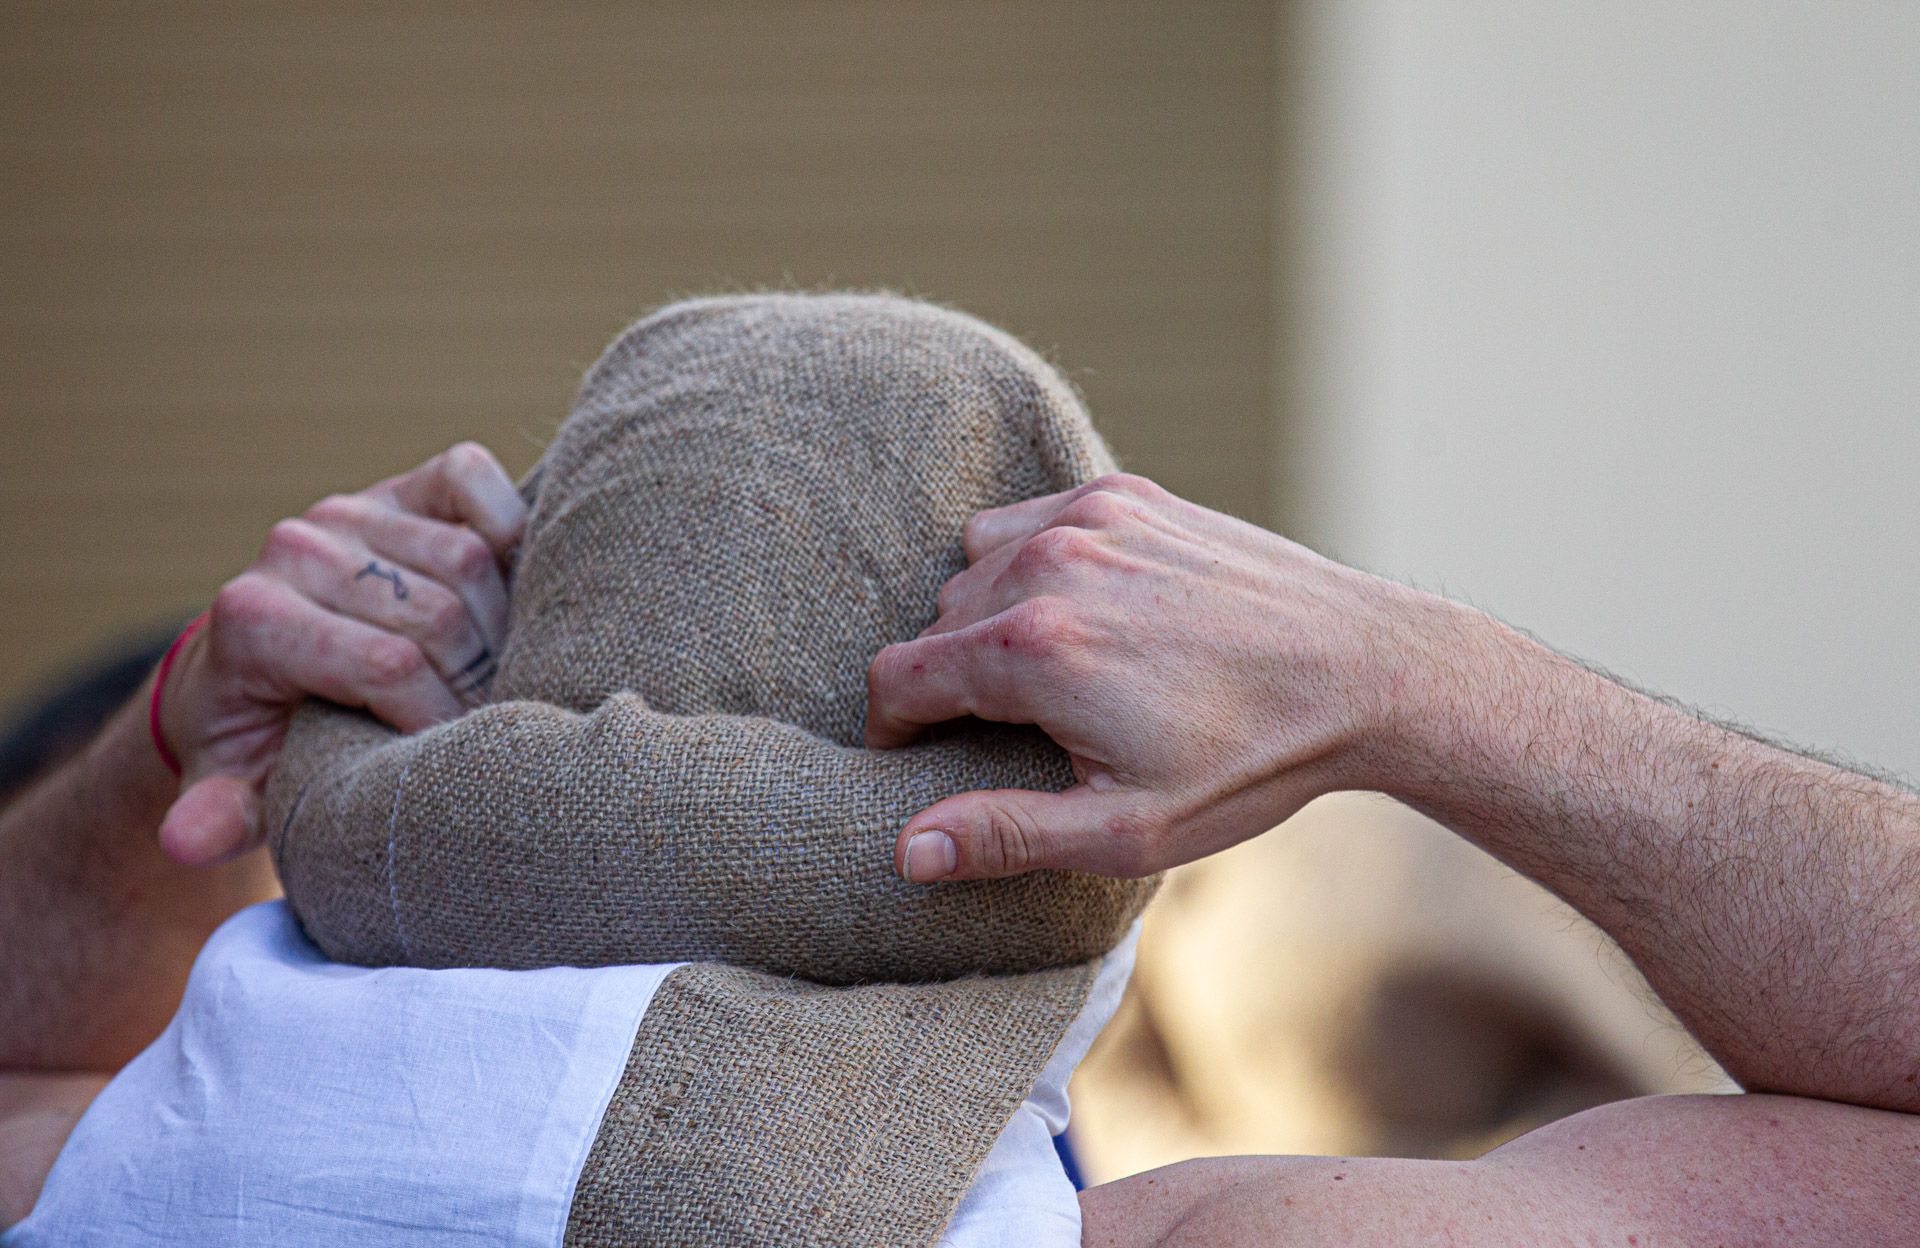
[[680, 399], [277, 846], [393, 879]]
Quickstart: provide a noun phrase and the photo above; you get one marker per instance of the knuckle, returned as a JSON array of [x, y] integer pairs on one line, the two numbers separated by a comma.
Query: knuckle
[[888, 669], [392, 661], [466, 460], [1129, 845], [1052, 550], [974, 533], [293, 539], [243, 602], [465, 556], [339, 509], [1130, 484], [880, 671], [1096, 509], [443, 614], [1005, 844], [953, 593], [1038, 628]]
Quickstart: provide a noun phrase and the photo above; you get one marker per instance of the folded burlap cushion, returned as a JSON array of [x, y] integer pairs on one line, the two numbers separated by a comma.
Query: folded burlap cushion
[[751, 497]]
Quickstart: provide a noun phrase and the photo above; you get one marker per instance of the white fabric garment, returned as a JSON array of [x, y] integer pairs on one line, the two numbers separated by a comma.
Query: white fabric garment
[[295, 1101], [1022, 1198]]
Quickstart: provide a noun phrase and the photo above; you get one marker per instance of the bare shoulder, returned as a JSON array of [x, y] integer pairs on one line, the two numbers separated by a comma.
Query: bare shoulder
[[1752, 1169], [1759, 1170]]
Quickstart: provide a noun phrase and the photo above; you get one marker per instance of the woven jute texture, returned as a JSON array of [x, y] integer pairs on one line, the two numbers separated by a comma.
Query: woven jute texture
[[759, 1110], [751, 497]]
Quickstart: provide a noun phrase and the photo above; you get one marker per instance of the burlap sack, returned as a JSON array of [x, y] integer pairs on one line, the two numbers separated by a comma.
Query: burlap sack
[[752, 496]]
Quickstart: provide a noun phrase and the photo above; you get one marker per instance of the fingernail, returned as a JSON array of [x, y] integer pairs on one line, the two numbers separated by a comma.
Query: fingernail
[[930, 856]]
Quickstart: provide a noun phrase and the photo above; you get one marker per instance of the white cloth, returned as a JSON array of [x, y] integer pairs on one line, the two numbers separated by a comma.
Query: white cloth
[[297, 1101], [1022, 1198]]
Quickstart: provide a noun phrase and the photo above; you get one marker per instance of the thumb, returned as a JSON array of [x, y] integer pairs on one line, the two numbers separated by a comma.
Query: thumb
[[215, 818], [998, 832]]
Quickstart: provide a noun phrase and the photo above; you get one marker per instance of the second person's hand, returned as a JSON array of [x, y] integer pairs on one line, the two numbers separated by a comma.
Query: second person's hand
[[1207, 678], [393, 599]]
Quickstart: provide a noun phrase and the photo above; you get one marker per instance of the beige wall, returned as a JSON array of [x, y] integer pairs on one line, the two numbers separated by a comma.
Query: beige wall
[[253, 253], [1607, 317]]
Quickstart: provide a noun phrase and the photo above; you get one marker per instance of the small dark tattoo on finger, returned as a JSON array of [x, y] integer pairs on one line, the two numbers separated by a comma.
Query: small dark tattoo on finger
[[373, 568]]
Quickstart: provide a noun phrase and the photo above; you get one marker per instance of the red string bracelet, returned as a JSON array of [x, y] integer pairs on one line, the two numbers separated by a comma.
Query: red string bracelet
[[160, 683]]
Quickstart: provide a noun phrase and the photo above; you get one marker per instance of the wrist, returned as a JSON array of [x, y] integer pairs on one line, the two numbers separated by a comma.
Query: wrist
[[173, 716], [1469, 700], [123, 772]]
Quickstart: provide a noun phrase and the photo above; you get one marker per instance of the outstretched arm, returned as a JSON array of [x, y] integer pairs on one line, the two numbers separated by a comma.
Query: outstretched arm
[[1772, 899], [1209, 679]]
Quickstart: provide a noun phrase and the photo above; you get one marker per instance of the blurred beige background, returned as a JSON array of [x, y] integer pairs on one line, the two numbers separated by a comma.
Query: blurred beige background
[[251, 254], [1607, 317], [1602, 316]]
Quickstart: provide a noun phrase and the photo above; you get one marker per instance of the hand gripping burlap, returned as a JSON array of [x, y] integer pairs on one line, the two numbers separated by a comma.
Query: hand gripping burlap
[[752, 496]]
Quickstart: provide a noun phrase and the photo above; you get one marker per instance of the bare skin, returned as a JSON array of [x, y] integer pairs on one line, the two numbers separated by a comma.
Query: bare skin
[[1757, 1171], [37, 1113], [100, 919], [1209, 679]]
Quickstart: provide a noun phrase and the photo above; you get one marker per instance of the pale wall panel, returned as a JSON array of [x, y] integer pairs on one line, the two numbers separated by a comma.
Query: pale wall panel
[[1608, 322]]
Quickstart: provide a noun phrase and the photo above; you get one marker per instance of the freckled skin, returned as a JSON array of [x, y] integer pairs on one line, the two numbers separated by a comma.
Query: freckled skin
[[1662, 1170]]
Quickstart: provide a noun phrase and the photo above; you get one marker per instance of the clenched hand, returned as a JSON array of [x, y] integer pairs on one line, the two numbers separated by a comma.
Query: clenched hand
[[393, 599]]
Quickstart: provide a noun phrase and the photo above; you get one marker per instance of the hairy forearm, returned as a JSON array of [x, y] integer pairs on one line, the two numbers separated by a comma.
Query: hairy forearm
[[1757, 1170], [1772, 900], [97, 927]]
